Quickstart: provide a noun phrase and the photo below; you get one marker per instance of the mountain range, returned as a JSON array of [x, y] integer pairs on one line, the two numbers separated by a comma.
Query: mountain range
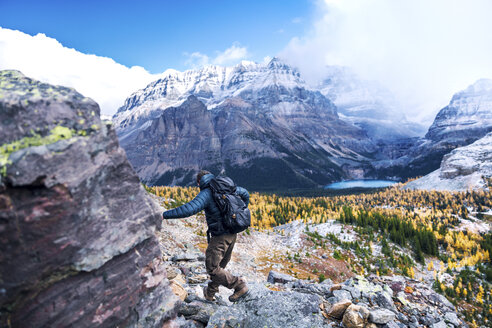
[[268, 129]]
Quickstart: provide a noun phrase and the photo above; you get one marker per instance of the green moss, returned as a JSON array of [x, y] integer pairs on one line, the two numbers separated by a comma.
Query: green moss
[[56, 134]]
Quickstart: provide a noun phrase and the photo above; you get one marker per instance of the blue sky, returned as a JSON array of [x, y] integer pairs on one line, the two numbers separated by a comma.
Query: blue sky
[[161, 34]]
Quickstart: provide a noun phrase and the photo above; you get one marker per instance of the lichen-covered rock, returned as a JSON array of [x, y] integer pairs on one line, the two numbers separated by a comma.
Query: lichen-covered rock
[[77, 244], [381, 316], [265, 308]]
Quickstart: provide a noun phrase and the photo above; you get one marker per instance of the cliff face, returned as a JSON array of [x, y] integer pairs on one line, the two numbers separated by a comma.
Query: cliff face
[[462, 169], [467, 118], [258, 123], [267, 150], [76, 227]]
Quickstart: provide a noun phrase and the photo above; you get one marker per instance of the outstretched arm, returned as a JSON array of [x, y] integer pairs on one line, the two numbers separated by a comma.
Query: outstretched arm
[[194, 206], [243, 193]]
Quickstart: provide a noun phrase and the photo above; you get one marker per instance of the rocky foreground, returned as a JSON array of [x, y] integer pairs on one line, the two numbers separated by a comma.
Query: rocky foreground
[[280, 300]]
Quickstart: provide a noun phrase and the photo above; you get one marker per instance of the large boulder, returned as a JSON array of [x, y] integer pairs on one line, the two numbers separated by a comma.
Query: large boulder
[[262, 307], [77, 243]]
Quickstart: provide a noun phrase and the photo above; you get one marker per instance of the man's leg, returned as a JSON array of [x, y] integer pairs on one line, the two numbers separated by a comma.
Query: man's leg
[[228, 253], [217, 256]]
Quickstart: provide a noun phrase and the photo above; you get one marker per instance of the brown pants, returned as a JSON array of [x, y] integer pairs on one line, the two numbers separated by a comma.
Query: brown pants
[[217, 255]]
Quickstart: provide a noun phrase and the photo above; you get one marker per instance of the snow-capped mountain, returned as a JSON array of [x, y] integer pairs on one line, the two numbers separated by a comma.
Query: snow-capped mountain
[[462, 169], [211, 84], [468, 115], [467, 118], [258, 116]]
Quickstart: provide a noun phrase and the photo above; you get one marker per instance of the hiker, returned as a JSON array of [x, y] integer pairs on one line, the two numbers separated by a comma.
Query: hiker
[[220, 240]]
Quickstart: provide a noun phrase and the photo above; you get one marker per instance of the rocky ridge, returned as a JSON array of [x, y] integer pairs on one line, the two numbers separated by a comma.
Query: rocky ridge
[[464, 168], [77, 229], [467, 118]]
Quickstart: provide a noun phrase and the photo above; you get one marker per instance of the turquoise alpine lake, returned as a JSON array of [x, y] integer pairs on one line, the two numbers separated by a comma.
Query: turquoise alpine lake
[[360, 184]]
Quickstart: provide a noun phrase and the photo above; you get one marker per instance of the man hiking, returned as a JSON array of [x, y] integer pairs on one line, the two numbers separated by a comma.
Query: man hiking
[[220, 240]]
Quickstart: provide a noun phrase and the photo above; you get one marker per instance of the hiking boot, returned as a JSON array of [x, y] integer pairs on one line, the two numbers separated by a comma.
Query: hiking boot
[[208, 296], [240, 291]]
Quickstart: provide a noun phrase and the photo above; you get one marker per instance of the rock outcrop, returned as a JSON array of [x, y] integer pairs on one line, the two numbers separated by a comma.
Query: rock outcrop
[[462, 169], [77, 242]]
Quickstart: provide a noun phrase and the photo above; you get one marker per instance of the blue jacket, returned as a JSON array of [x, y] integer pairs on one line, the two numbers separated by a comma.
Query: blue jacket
[[204, 201]]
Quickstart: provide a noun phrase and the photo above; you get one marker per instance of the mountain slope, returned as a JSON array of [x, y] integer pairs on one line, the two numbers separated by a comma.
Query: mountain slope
[[462, 169], [467, 118], [258, 123]]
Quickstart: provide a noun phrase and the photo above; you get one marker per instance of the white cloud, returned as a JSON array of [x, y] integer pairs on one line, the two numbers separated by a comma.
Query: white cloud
[[47, 60], [230, 56], [196, 59], [424, 51]]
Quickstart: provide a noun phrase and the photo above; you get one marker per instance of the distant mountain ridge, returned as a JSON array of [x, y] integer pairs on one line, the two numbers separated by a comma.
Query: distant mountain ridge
[[467, 118], [260, 122], [367, 104]]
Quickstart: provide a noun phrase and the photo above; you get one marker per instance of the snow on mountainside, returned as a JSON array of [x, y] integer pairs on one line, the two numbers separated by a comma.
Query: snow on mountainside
[[463, 169], [469, 112], [467, 118], [211, 85], [261, 117]]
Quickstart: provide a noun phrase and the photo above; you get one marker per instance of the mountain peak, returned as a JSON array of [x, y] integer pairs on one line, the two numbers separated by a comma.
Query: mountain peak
[[276, 62]]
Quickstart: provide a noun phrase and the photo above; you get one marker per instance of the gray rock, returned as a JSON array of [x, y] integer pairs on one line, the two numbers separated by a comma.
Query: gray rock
[[277, 277], [354, 291], [265, 308], [452, 318], [341, 295], [384, 300], [391, 324], [381, 316], [303, 286], [401, 317], [428, 319], [440, 324], [199, 310]]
